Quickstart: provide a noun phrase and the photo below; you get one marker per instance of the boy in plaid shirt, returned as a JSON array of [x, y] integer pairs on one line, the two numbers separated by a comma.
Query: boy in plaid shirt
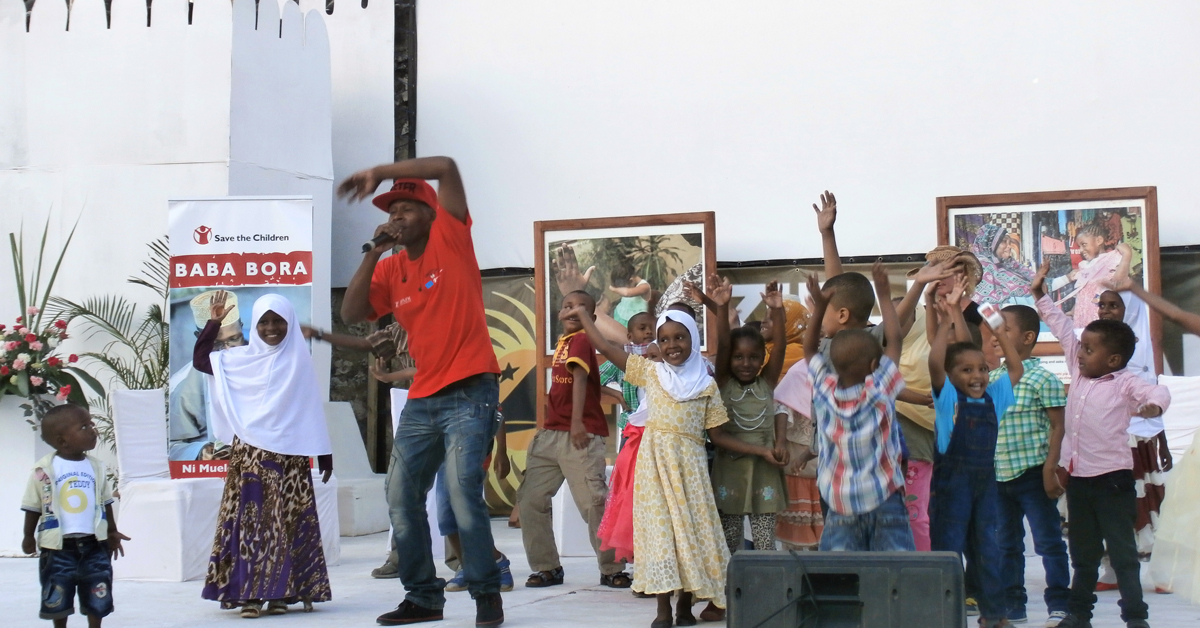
[[640, 334], [853, 404], [1027, 452]]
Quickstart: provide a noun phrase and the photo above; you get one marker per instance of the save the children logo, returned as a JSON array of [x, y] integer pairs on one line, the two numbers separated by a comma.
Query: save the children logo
[[202, 234]]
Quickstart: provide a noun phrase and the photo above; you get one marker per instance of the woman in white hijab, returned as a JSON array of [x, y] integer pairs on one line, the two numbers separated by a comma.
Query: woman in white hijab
[[265, 403], [677, 533]]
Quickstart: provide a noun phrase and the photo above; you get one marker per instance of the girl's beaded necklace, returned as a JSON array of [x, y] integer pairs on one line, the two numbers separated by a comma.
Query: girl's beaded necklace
[[743, 422]]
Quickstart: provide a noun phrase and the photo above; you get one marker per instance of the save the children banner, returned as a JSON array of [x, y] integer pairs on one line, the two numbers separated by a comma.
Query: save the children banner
[[248, 246]]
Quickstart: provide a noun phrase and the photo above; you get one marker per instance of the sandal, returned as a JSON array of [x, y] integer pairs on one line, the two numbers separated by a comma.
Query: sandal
[[545, 578], [619, 580], [252, 609], [277, 607]]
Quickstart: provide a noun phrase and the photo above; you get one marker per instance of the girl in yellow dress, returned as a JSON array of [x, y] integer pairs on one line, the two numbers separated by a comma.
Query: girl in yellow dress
[[677, 534]]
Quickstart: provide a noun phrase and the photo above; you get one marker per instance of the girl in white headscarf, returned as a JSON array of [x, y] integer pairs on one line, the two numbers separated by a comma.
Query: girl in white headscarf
[[265, 403], [677, 534]]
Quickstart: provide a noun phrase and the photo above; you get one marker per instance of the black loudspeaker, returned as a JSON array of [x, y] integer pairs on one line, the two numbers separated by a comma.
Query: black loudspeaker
[[846, 589]]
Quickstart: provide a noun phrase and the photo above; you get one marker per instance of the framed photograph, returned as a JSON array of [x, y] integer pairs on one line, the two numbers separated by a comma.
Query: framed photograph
[[629, 264], [1089, 238]]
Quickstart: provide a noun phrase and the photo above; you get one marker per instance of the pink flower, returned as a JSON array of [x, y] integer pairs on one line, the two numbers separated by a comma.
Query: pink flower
[[63, 393], [35, 380], [31, 310], [36, 346], [18, 364], [72, 358], [22, 330], [11, 345]]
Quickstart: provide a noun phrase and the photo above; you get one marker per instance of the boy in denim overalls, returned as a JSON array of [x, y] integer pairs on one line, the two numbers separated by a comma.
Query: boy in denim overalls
[[963, 505]]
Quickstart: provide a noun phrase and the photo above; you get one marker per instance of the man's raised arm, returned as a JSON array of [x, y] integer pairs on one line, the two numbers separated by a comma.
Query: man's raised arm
[[451, 195]]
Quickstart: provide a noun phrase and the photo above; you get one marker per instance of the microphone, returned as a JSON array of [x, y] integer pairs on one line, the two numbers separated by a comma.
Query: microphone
[[376, 241]]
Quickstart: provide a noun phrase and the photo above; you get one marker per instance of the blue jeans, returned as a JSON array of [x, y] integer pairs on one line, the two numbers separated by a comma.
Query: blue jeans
[[454, 426], [1020, 498], [884, 529]]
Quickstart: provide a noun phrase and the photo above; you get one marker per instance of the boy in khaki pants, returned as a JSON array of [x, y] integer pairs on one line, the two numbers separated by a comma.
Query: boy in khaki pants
[[569, 446]]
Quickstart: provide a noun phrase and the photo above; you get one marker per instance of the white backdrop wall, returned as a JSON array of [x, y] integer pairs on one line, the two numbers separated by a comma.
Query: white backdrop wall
[[567, 109], [107, 124]]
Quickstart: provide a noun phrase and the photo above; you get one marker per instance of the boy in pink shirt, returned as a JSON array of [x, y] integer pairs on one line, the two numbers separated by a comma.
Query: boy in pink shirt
[[1101, 499]]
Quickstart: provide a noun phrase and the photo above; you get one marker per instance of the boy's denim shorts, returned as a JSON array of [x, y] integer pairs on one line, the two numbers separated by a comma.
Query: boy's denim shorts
[[82, 565]]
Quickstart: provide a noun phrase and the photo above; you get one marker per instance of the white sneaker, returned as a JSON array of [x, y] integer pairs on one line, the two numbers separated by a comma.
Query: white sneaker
[[1055, 619]]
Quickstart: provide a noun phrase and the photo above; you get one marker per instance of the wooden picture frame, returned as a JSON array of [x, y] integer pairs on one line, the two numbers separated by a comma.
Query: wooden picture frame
[[663, 246], [1048, 225]]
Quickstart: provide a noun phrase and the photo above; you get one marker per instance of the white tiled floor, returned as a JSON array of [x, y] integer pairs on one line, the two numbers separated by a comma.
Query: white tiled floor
[[358, 599]]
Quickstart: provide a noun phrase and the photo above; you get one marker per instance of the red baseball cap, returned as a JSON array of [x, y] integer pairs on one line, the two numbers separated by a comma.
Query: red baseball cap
[[407, 189]]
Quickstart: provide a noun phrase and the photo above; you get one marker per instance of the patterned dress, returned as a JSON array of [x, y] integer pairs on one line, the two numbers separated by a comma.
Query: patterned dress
[[268, 542], [677, 532]]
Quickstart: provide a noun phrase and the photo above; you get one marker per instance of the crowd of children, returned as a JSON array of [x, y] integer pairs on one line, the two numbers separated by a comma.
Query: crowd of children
[[828, 432]]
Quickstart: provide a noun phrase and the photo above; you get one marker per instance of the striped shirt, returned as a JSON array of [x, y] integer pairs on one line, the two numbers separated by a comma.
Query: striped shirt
[[1022, 441], [859, 452]]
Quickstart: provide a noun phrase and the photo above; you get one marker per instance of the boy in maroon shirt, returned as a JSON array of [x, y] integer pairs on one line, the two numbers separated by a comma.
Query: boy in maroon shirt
[[569, 446]]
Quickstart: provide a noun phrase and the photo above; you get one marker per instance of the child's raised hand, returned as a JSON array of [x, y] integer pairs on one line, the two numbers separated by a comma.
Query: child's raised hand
[[577, 311], [1125, 250], [773, 297], [954, 299], [693, 292], [883, 283], [819, 300], [934, 272], [720, 289], [216, 306], [827, 214], [114, 544], [565, 267], [1119, 284], [1038, 287]]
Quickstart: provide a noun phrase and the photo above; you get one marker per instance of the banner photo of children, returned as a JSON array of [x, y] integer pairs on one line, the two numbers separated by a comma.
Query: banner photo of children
[[248, 247], [1087, 244], [626, 269]]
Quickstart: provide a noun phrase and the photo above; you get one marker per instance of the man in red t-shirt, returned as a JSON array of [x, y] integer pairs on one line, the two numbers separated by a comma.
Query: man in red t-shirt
[[569, 446], [434, 290]]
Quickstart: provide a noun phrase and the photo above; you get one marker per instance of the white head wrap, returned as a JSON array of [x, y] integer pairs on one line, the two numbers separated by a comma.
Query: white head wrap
[[690, 379], [267, 396]]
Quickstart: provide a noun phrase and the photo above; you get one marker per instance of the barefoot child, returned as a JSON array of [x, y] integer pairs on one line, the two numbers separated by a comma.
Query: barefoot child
[[616, 528], [676, 527], [569, 447], [853, 404], [963, 505], [748, 486], [1101, 498], [69, 518]]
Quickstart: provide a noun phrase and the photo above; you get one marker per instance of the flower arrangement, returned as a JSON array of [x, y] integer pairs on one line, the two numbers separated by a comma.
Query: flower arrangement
[[29, 363]]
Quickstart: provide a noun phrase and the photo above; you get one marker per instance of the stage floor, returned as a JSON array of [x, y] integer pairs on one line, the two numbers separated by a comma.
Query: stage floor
[[358, 599]]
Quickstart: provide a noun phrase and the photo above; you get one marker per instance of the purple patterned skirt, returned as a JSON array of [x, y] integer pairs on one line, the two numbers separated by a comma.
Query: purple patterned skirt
[[268, 541]]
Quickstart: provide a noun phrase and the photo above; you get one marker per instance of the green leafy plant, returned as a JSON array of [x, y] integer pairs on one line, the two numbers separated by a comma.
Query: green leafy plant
[[137, 351], [654, 257]]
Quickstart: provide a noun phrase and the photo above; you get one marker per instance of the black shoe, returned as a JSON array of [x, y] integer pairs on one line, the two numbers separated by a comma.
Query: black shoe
[[1075, 621], [409, 613], [489, 610], [1137, 623]]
